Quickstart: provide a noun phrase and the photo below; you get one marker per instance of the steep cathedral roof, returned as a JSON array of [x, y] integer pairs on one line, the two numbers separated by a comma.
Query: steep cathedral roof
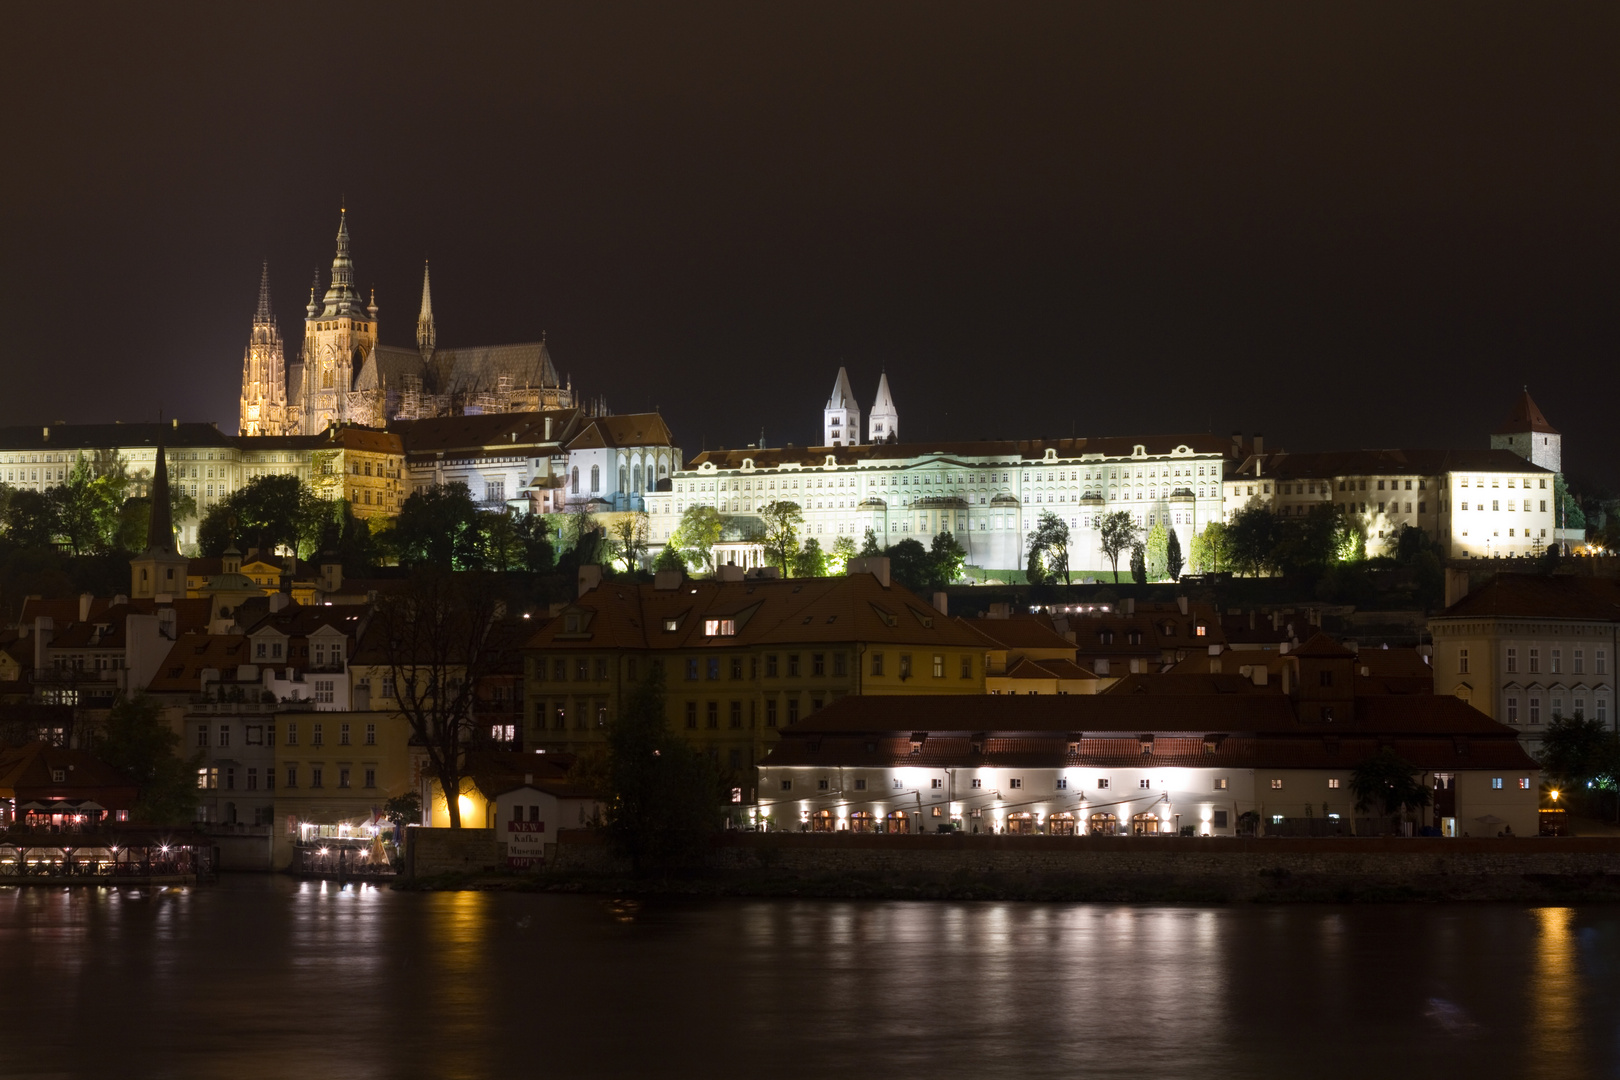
[[1525, 417], [842, 396]]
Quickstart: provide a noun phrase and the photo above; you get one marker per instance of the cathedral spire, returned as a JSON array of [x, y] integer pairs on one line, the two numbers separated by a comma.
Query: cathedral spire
[[342, 265], [262, 316], [425, 336], [313, 308], [884, 420]]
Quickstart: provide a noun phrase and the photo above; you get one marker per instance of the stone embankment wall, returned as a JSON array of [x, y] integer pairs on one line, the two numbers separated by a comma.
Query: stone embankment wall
[[1238, 868], [429, 852]]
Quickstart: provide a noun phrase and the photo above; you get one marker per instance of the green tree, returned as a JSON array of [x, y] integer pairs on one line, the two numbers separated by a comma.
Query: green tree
[[669, 558], [782, 520], [696, 534], [1388, 783], [31, 519], [1158, 551], [1349, 540], [948, 556], [912, 566], [1048, 551], [870, 546], [1118, 532], [1172, 556], [404, 809], [87, 505], [1577, 752], [1139, 570], [1571, 516], [1212, 549], [629, 531], [810, 561], [843, 550], [663, 794], [1254, 537], [137, 743], [438, 527]]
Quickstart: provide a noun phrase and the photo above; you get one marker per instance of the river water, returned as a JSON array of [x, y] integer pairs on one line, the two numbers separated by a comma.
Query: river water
[[267, 977]]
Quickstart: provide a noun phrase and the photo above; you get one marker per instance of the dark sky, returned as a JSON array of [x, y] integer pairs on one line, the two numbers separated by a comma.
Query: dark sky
[[1341, 225]]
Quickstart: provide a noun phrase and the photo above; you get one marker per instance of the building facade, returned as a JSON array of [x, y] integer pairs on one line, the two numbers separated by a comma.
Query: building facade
[[989, 494], [738, 659], [1526, 648], [1205, 764]]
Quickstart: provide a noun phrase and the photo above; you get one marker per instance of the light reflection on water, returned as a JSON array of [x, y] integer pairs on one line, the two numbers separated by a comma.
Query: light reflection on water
[[270, 978]]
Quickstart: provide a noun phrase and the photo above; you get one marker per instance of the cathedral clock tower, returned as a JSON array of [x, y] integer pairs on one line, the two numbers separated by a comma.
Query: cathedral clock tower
[[339, 333]]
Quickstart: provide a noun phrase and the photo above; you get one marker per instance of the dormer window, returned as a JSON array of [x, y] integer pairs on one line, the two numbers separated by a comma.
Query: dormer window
[[718, 627], [671, 625], [571, 622]]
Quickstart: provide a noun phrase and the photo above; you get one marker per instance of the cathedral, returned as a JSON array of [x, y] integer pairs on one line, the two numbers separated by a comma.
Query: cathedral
[[343, 374]]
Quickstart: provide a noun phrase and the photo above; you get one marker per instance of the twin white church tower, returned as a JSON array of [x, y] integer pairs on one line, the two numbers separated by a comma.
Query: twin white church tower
[[841, 420]]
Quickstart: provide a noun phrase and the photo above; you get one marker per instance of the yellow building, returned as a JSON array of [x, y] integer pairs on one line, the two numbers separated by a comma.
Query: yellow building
[[739, 659], [333, 772]]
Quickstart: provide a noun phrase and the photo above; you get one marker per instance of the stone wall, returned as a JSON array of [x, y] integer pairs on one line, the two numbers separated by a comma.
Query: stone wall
[[1239, 867], [429, 852]]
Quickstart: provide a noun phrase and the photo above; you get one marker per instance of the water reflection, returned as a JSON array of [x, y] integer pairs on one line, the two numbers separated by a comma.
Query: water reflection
[[261, 977], [1555, 998]]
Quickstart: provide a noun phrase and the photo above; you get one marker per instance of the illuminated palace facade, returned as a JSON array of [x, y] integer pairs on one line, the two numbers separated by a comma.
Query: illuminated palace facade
[[1496, 501], [989, 494], [344, 374]]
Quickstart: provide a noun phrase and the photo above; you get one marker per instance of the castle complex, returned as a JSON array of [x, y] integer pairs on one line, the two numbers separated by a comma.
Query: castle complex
[[344, 374]]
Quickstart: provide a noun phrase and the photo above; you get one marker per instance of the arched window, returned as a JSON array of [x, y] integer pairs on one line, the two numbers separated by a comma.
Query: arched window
[[596, 479], [635, 474], [326, 377], [576, 479], [624, 484]]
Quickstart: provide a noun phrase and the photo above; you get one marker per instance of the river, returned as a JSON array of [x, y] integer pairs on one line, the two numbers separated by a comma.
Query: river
[[268, 977]]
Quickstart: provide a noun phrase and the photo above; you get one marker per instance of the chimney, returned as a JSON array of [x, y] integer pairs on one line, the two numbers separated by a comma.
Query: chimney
[[1181, 604], [84, 606], [668, 580], [876, 565], [589, 578], [278, 601], [44, 630], [1237, 445], [548, 429], [1130, 605], [166, 623], [1259, 444], [728, 572], [1456, 586], [941, 603]]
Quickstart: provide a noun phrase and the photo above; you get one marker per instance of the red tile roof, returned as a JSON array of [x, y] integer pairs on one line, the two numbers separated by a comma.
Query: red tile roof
[[1526, 416]]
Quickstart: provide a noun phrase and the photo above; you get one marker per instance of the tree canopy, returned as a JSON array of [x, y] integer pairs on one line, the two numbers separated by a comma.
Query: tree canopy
[[695, 536], [1048, 550], [137, 743], [1117, 532], [1388, 783], [783, 520]]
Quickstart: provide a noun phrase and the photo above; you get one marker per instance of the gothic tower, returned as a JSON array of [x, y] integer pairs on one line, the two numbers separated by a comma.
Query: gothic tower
[[884, 420], [264, 371], [160, 570], [339, 333], [425, 336], [841, 419], [1527, 433]]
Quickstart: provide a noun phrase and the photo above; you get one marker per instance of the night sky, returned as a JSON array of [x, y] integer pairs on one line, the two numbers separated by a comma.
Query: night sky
[[1343, 226]]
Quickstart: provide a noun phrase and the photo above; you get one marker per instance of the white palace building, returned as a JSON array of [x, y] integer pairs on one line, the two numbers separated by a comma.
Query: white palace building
[[990, 494]]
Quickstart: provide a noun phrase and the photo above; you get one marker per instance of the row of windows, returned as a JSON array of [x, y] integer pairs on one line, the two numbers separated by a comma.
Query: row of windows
[[1557, 711], [265, 734], [317, 776], [1555, 660], [711, 668], [1496, 504]]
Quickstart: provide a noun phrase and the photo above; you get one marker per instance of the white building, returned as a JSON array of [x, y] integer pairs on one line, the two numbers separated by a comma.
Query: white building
[[615, 463], [989, 494], [1140, 764], [841, 419]]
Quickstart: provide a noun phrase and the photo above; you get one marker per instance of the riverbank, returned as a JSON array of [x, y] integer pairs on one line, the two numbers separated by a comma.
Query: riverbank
[[1100, 869]]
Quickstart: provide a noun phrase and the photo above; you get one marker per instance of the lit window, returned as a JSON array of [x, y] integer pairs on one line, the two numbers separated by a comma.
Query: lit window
[[1496, 783], [1276, 785], [1221, 783], [719, 627], [1333, 783]]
